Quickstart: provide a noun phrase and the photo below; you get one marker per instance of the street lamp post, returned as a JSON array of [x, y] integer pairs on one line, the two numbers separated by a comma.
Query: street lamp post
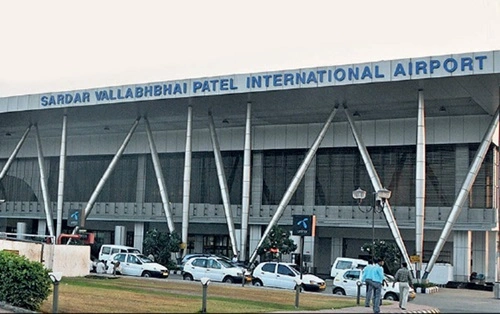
[[380, 196]]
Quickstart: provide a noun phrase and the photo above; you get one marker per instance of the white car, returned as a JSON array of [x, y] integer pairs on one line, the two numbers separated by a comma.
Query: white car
[[134, 264], [213, 267], [346, 283], [285, 275], [346, 263]]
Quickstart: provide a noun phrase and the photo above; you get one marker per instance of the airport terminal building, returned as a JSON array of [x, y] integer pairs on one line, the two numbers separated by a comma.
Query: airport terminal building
[[221, 159]]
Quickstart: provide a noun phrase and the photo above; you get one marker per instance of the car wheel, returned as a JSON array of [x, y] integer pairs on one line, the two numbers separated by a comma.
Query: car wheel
[[228, 279], [146, 274], [391, 296], [257, 282], [338, 291], [187, 277]]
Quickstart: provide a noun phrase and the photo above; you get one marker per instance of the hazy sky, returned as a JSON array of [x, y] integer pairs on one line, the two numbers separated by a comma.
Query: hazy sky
[[63, 45]]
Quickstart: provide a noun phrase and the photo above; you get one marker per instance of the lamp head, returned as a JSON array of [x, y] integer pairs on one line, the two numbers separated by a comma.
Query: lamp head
[[359, 194]]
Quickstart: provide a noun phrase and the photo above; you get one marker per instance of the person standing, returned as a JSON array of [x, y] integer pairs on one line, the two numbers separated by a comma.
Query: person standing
[[367, 279], [377, 280], [404, 277]]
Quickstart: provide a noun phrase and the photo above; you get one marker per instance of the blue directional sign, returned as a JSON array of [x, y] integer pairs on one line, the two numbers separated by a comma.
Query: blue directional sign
[[74, 217], [304, 225]]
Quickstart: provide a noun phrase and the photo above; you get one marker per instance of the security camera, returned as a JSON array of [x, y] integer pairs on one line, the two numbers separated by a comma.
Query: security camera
[[205, 281]]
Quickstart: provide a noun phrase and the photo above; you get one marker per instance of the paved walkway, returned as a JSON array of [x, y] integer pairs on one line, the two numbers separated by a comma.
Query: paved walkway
[[390, 308]]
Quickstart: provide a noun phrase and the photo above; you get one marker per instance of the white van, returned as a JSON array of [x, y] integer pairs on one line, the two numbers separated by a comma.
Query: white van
[[107, 250], [346, 263]]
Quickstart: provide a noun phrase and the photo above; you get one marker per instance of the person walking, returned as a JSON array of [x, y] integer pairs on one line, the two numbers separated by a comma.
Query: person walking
[[377, 281], [367, 279], [404, 277]]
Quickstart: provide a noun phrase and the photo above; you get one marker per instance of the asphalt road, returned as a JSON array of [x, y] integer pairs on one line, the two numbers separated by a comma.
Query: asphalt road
[[447, 300]]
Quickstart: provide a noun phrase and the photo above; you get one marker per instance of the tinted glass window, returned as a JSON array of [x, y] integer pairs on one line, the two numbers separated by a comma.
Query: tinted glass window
[[343, 265], [352, 274], [269, 267], [120, 257], [200, 262], [284, 270]]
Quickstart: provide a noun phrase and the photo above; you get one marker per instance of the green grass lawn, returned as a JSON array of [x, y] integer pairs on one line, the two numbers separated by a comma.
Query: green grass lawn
[[95, 294]]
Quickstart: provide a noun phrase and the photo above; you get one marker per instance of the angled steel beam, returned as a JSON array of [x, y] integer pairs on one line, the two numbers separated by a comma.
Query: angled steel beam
[[14, 153], [464, 192], [106, 176], [389, 217], [159, 177], [224, 191], [247, 166], [295, 183], [420, 183], [186, 194], [43, 182], [62, 172]]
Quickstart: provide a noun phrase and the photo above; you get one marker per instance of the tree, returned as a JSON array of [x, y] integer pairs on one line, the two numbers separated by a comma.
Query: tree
[[161, 245], [388, 251], [276, 244]]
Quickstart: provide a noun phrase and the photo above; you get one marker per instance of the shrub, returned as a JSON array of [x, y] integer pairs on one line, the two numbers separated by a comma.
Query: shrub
[[25, 283]]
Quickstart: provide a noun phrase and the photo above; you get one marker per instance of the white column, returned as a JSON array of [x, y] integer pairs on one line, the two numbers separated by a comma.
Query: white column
[[138, 235], [491, 258], [461, 255], [479, 252], [42, 227], [255, 235], [20, 230], [336, 248], [120, 235]]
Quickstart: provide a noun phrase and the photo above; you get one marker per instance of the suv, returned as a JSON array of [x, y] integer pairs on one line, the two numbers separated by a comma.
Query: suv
[[108, 250], [214, 267], [346, 283], [346, 263], [284, 275]]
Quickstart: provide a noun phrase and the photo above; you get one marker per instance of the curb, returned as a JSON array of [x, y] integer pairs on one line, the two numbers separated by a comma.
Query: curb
[[428, 290]]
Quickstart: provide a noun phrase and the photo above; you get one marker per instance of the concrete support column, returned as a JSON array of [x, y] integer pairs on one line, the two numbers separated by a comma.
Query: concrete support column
[[491, 259], [310, 183], [21, 230], [42, 227], [255, 235], [462, 241], [120, 235], [336, 248], [138, 235], [479, 252], [141, 179], [198, 243]]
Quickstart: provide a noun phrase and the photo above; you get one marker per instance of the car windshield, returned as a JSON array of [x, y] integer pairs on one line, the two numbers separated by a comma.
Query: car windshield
[[144, 258], [295, 269], [225, 263]]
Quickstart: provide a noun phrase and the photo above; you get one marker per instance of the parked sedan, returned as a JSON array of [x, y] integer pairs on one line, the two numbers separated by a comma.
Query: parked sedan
[[285, 275], [212, 267], [134, 264]]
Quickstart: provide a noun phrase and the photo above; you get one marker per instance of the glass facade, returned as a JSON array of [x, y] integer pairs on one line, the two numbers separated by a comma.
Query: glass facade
[[339, 171]]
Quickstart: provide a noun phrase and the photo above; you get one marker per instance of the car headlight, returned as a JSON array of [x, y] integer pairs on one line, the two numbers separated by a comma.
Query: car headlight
[[239, 274]]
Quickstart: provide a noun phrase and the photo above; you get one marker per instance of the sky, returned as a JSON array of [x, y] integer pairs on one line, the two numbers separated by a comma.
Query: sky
[[59, 45]]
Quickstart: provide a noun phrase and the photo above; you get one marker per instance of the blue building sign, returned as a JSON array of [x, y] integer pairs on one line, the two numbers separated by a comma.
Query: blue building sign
[[304, 225]]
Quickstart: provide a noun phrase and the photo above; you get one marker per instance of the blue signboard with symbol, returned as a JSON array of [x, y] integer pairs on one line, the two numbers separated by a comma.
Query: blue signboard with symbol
[[74, 217], [304, 225]]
